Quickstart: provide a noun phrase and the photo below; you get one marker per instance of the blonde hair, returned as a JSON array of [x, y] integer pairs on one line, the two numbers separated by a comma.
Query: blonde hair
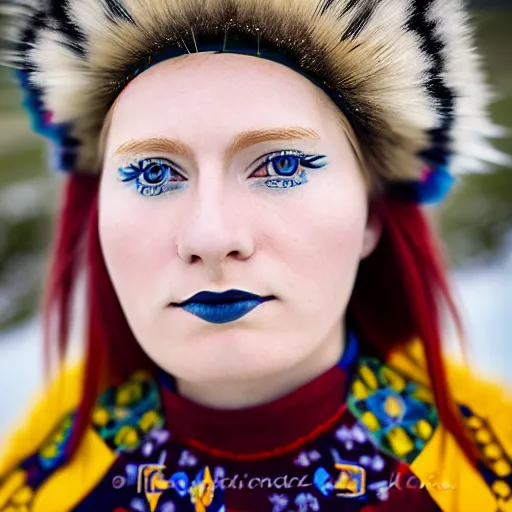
[[347, 128], [103, 136]]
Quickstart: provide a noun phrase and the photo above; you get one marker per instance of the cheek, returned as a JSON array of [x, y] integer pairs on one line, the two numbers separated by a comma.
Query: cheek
[[324, 244], [135, 246], [342, 239], [342, 227]]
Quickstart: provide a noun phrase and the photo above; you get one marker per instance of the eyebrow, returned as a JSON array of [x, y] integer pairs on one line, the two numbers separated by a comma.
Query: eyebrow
[[154, 145], [247, 139], [241, 142]]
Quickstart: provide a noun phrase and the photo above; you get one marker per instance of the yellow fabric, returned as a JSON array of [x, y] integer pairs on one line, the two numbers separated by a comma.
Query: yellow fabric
[[51, 404], [451, 480], [71, 483], [9, 488], [486, 399]]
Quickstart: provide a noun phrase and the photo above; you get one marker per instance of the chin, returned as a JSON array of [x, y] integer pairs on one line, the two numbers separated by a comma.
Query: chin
[[231, 356]]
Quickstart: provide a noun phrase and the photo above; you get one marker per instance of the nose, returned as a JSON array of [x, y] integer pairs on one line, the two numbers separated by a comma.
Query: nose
[[215, 230]]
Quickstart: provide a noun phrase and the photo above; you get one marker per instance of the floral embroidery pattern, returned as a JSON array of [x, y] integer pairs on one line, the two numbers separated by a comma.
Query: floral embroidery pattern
[[19, 488], [304, 459], [398, 413], [52, 451], [349, 464], [304, 502], [353, 466], [126, 413], [497, 466], [150, 488]]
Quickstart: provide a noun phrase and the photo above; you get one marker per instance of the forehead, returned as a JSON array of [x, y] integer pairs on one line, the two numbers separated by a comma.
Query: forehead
[[226, 92]]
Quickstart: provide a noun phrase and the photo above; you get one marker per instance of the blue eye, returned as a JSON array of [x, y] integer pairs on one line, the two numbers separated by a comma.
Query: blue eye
[[152, 176], [155, 173], [287, 169], [285, 165]]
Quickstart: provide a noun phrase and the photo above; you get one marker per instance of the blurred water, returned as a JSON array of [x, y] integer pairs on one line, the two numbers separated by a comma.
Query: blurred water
[[485, 291]]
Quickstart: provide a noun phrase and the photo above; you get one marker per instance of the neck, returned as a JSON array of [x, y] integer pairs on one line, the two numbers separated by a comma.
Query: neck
[[243, 393]]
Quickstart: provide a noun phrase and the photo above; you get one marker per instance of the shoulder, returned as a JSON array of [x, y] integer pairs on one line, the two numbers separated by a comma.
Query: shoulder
[[485, 405], [32, 469], [51, 406], [35, 445], [395, 400]]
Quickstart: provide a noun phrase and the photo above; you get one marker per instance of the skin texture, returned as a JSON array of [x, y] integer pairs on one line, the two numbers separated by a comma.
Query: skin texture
[[226, 230]]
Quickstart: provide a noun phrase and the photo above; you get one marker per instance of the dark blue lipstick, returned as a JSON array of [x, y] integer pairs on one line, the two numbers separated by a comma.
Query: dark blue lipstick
[[221, 308]]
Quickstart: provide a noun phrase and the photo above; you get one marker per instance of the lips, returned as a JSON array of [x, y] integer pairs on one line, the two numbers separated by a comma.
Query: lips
[[222, 307]]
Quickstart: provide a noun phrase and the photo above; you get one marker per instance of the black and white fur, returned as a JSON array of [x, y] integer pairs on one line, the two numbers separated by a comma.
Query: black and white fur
[[406, 68]]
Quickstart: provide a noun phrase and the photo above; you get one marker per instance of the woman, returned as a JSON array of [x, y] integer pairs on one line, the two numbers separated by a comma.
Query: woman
[[263, 324]]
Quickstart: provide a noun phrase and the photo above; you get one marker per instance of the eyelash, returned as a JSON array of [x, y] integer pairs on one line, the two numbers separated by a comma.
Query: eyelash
[[288, 179], [166, 179], [140, 174]]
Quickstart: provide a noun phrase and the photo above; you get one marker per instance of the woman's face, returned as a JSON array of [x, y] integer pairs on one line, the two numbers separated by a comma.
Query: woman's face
[[230, 172]]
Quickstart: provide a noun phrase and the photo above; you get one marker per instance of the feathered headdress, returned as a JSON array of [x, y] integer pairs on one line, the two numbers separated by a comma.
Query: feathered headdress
[[403, 71]]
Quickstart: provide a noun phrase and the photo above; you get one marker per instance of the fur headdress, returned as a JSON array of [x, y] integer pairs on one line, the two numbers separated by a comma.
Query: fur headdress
[[403, 71]]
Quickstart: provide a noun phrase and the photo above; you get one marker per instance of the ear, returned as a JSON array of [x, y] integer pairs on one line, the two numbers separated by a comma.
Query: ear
[[372, 234]]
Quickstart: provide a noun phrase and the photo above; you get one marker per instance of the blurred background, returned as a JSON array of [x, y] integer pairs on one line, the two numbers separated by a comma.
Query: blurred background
[[475, 223]]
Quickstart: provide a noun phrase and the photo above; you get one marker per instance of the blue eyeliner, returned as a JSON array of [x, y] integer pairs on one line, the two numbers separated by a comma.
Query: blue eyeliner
[[283, 169], [289, 168], [152, 176]]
